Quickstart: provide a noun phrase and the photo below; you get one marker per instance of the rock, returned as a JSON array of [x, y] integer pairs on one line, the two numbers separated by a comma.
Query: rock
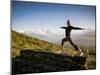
[[38, 62]]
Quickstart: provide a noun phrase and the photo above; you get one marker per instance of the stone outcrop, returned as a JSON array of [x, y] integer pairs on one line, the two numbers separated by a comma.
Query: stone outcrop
[[39, 62]]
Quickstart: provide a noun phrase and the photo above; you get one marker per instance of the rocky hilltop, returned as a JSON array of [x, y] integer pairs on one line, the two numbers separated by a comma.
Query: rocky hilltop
[[30, 61]]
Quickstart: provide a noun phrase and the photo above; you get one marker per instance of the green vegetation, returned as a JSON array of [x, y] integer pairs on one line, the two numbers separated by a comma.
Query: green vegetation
[[22, 41]]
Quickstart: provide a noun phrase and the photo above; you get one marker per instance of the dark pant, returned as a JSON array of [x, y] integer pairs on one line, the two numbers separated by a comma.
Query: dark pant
[[70, 41]]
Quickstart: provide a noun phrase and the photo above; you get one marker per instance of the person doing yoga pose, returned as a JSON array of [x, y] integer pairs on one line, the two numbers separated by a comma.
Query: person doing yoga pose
[[68, 30]]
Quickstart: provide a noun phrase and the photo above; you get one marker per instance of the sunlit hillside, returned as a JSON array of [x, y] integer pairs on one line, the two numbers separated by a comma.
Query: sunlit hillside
[[24, 42]]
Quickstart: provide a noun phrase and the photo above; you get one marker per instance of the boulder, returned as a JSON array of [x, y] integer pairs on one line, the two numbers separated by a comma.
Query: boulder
[[39, 62]]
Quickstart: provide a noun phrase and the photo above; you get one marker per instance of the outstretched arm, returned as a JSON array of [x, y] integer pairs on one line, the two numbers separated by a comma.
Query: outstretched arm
[[63, 27], [77, 28]]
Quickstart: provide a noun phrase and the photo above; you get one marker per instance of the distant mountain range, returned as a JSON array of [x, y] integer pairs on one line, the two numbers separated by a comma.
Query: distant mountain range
[[85, 39]]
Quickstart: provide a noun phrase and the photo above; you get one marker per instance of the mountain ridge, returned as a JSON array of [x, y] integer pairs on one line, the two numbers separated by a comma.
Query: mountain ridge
[[21, 41], [86, 38]]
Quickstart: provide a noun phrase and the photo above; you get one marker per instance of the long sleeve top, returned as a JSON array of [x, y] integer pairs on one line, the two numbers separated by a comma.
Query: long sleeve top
[[69, 28]]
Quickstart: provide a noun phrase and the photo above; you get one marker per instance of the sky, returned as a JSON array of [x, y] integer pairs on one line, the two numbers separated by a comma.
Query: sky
[[32, 16]]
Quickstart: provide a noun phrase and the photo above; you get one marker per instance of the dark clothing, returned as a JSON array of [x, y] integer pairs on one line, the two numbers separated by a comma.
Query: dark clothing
[[70, 41], [68, 38], [69, 28]]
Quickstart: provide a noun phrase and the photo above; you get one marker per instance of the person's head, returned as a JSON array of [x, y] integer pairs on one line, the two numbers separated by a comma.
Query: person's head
[[68, 23]]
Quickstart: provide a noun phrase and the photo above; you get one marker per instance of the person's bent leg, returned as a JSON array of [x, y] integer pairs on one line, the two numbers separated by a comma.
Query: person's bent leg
[[63, 41]]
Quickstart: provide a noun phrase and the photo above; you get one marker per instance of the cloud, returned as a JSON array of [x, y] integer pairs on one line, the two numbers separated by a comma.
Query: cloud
[[20, 31]]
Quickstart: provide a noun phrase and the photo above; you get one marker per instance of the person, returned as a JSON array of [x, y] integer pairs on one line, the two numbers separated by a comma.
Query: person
[[68, 30]]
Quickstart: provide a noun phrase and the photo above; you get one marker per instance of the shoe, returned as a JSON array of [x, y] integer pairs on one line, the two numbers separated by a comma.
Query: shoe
[[81, 54]]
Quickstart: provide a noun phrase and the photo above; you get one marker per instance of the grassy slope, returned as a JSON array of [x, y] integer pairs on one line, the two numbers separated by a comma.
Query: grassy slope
[[22, 41]]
